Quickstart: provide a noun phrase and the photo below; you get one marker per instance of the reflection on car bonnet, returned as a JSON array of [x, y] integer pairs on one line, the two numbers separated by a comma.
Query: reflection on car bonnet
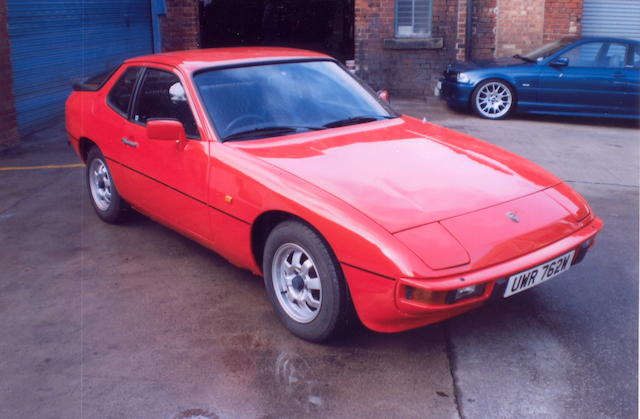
[[177, 93]]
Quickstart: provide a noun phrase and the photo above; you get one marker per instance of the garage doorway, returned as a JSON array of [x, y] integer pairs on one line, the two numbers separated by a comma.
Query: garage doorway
[[616, 18], [56, 43], [320, 25]]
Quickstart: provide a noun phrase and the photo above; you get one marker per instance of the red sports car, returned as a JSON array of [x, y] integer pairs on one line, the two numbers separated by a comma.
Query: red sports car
[[285, 164]]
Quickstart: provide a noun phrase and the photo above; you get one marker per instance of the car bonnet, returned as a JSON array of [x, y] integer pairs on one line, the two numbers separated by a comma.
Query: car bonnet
[[404, 173]]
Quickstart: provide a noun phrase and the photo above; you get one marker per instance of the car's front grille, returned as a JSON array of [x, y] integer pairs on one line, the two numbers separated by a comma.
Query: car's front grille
[[450, 75]]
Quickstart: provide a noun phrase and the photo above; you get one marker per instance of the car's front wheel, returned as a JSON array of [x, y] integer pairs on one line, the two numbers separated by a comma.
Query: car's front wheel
[[108, 204], [493, 99], [305, 283]]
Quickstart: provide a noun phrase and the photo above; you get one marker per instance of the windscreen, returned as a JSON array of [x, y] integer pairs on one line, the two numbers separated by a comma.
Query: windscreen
[[548, 49], [269, 100]]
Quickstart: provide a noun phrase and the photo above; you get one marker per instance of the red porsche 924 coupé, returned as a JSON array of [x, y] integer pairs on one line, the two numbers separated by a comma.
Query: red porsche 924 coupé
[[285, 164]]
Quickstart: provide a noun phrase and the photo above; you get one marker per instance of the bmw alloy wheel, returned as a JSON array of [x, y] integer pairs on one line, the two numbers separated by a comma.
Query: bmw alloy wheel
[[493, 100]]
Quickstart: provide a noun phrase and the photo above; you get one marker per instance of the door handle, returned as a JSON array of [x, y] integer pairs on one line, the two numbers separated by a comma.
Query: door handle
[[129, 142]]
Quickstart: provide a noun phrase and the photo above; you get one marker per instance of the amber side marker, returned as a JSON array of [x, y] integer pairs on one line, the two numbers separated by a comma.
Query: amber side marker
[[50, 166]]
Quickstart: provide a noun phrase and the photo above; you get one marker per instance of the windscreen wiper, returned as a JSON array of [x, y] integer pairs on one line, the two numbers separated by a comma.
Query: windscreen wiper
[[267, 131], [355, 120], [527, 59]]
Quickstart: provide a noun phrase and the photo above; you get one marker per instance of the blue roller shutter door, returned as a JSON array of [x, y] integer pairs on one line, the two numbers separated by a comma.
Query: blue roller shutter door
[[615, 18], [56, 42]]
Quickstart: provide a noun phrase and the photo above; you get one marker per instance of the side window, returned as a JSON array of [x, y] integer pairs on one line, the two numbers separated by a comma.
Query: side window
[[584, 55], [162, 96], [614, 56], [597, 54], [635, 56], [121, 92]]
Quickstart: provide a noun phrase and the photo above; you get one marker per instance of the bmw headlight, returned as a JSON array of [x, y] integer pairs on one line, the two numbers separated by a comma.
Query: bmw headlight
[[462, 78]]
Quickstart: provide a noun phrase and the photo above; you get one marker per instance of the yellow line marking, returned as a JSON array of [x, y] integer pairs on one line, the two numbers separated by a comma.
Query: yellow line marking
[[50, 166]]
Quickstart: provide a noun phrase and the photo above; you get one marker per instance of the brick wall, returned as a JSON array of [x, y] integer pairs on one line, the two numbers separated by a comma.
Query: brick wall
[[562, 18], [406, 70], [519, 26], [461, 31], [499, 27], [484, 22], [8, 127], [180, 27]]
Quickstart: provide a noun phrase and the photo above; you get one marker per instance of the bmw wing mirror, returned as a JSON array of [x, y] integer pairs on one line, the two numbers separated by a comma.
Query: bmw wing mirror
[[560, 62]]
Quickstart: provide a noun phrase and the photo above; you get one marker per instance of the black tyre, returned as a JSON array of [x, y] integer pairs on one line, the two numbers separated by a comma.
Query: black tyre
[[305, 283], [493, 99], [104, 196]]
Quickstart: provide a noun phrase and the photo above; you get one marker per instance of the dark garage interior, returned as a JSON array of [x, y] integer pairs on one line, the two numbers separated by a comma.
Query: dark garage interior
[[320, 25]]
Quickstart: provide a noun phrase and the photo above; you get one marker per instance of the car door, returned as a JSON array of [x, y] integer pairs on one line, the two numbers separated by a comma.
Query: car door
[[171, 176], [631, 78], [112, 119], [585, 79]]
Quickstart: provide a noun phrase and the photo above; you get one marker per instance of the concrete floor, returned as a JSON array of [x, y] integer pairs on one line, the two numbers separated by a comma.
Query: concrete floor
[[135, 321]]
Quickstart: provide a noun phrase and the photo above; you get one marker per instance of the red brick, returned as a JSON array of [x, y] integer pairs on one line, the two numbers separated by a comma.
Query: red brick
[[498, 27], [560, 16], [404, 72], [180, 27]]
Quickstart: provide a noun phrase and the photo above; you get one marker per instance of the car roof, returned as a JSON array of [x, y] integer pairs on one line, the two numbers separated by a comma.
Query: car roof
[[196, 59], [604, 38]]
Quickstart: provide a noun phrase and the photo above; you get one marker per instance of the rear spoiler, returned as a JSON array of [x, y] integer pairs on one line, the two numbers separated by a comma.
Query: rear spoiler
[[94, 83]]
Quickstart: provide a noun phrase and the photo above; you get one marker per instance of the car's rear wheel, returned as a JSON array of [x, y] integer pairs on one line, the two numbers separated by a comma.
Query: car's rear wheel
[[305, 283], [104, 196], [493, 99]]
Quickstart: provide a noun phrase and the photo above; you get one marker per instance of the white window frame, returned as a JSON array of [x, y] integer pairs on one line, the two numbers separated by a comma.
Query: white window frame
[[412, 24]]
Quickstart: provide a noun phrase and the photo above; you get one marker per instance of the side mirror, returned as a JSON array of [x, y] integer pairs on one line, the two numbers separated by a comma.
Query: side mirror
[[166, 130], [383, 94], [560, 62]]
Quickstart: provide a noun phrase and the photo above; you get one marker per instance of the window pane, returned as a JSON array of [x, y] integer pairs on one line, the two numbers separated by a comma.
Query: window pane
[[413, 18], [635, 56], [597, 54], [584, 55], [548, 49], [120, 94], [306, 94], [615, 56], [162, 96]]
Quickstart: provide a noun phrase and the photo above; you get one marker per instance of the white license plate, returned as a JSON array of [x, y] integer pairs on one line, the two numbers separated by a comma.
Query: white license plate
[[436, 91], [537, 275]]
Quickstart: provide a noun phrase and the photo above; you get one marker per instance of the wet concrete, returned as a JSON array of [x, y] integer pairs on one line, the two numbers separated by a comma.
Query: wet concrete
[[567, 348], [102, 321]]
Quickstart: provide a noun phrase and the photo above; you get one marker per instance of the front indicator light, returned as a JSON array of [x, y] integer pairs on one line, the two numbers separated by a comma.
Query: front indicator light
[[587, 244], [582, 251], [425, 296], [465, 292]]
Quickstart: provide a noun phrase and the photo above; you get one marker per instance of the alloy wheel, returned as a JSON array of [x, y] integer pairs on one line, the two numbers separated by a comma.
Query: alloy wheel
[[100, 184], [494, 100], [296, 282]]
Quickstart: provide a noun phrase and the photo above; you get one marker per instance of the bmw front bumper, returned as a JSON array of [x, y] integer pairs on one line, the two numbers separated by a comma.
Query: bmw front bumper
[[455, 94]]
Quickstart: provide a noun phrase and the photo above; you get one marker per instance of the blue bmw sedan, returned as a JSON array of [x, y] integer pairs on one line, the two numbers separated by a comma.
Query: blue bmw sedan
[[571, 76]]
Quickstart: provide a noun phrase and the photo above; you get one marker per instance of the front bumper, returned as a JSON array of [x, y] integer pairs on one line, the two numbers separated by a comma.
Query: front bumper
[[382, 305], [454, 93]]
